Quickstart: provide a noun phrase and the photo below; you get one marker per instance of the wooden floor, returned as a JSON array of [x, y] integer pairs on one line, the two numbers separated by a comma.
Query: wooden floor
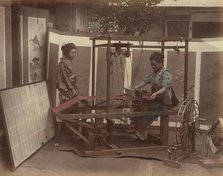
[[57, 159]]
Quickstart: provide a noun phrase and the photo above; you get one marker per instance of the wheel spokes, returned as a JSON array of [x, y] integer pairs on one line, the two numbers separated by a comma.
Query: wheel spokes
[[189, 116]]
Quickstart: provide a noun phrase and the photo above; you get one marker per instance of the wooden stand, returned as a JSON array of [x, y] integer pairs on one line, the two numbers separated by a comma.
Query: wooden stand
[[99, 134]]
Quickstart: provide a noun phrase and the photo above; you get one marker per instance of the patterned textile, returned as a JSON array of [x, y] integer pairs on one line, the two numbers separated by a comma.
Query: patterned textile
[[66, 80], [159, 80]]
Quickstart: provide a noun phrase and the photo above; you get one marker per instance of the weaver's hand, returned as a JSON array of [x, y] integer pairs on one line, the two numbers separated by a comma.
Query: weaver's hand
[[137, 87], [153, 96], [73, 76], [74, 92]]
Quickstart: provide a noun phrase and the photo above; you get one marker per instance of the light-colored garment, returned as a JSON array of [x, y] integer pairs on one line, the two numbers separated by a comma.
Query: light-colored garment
[[158, 80], [117, 74]]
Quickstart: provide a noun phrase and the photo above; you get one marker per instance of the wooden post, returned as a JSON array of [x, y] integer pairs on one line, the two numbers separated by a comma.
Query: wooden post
[[108, 74], [193, 142], [186, 69], [164, 129], [109, 121], [93, 70], [162, 47], [98, 122]]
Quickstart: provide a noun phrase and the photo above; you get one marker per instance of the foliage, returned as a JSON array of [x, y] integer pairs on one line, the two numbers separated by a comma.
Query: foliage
[[125, 16]]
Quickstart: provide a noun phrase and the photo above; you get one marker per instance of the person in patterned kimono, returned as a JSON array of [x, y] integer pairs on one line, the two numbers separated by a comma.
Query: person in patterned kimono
[[160, 80], [66, 79]]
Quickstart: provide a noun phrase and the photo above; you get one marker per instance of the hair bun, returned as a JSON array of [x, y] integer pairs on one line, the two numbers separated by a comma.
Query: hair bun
[[161, 55], [157, 56], [63, 48], [66, 48]]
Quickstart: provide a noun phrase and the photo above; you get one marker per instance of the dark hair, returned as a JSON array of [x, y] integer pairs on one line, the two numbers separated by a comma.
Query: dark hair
[[118, 47], [157, 56], [67, 48]]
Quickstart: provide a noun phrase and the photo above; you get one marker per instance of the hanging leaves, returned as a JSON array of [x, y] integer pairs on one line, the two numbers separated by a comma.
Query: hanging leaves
[[125, 16]]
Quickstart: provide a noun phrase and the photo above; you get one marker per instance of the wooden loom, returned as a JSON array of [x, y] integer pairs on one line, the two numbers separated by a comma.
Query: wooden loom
[[90, 127], [101, 135]]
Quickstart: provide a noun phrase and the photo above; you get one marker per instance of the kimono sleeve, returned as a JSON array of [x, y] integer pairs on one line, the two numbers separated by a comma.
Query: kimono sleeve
[[166, 79], [66, 80]]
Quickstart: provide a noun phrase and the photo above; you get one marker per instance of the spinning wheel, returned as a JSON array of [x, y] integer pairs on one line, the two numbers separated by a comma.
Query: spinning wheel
[[187, 124]]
